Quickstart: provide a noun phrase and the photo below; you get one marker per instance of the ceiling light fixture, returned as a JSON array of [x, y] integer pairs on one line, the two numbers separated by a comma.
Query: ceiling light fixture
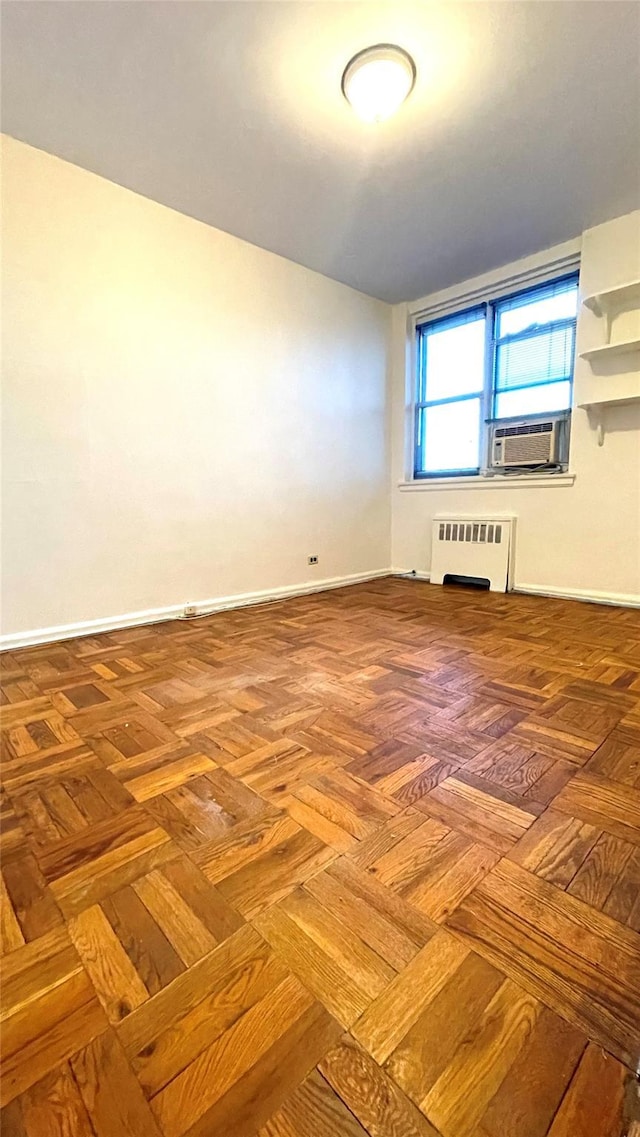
[[378, 80]]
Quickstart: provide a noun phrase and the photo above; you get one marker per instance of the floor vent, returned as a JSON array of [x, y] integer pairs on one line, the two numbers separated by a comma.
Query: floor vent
[[473, 547], [457, 581]]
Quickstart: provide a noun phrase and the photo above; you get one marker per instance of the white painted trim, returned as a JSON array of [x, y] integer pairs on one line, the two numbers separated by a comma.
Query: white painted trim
[[619, 599], [159, 615], [501, 481], [175, 611]]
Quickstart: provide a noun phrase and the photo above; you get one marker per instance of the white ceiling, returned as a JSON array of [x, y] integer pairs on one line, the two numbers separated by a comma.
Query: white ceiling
[[523, 128]]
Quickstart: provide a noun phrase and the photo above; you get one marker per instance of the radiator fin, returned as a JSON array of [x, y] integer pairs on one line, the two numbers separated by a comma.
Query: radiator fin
[[477, 533]]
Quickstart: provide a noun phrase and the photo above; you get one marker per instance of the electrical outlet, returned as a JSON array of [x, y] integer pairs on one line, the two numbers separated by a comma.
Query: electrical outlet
[[190, 610], [312, 560]]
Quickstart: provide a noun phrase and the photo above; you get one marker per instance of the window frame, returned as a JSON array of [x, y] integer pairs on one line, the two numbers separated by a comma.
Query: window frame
[[423, 405], [489, 304]]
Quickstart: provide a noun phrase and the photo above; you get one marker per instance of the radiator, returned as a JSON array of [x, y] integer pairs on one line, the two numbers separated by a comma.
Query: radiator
[[478, 547]]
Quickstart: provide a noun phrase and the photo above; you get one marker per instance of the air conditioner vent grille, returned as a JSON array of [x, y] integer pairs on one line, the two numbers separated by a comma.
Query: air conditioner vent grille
[[524, 428], [526, 444]]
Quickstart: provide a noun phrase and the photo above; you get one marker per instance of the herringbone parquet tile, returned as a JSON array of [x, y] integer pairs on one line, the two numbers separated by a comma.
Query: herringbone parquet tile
[[361, 863]]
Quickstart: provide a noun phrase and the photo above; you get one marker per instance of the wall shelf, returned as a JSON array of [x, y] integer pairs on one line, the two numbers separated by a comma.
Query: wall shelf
[[596, 410], [604, 402], [610, 350], [613, 390], [624, 295]]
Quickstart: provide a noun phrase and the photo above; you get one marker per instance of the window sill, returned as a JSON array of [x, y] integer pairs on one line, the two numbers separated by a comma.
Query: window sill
[[482, 482]]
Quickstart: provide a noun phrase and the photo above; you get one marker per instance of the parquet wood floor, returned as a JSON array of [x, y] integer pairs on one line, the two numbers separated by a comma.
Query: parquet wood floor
[[365, 862]]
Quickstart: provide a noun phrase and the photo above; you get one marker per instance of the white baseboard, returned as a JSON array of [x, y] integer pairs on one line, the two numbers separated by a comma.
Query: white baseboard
[[586, 595], [175, 611], [619, 599], [244, 599]]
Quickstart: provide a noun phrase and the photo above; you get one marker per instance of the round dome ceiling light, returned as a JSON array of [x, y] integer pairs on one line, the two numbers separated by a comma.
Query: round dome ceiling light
[[378, 80]]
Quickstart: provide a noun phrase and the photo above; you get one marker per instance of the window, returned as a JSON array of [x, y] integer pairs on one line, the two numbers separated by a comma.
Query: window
[[510, 357]]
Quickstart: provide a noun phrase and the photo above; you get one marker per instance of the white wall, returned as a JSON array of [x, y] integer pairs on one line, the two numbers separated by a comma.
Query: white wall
[[582, 539], [186, 416]]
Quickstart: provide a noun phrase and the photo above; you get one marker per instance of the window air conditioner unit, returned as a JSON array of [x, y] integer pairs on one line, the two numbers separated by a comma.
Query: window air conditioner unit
[[528, 443]]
